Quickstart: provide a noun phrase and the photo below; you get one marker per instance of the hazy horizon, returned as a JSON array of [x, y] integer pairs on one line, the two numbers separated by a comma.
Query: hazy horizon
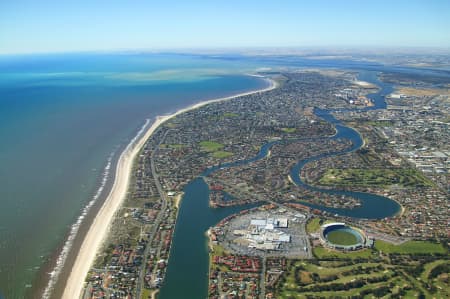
[[305, 50], [29, 27]]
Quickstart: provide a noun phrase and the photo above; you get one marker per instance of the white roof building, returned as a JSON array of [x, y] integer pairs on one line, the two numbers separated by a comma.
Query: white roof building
[[270, 223]]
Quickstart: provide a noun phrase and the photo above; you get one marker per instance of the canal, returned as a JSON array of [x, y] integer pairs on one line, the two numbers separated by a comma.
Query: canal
[[187, 271]]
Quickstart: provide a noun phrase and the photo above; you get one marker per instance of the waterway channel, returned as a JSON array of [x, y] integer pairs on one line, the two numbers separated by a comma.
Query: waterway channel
[[372, 206], [187, 272]]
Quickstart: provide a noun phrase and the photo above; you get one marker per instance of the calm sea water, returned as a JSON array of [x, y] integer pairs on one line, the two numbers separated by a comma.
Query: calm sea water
[[61, 117]]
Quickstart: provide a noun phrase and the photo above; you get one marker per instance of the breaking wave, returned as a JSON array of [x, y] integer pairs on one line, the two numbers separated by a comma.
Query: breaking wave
[[60, 261]]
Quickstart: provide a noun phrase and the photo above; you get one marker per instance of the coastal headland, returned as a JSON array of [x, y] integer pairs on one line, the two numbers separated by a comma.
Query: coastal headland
[[99, 228]]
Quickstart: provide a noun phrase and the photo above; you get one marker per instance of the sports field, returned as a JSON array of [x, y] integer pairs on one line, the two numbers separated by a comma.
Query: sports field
[[342, 237]]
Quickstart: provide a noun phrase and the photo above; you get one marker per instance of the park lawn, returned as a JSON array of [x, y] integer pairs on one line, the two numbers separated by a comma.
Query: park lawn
[[410, 247], [374, 177], [217, 250], [313, 225], [215, 149], [210, 146], [321, 253], [222, 154], [170, 125], [288, 130], [147, 293]]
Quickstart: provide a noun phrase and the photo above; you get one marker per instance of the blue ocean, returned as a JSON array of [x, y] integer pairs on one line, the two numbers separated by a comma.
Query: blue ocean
[[63, 119]]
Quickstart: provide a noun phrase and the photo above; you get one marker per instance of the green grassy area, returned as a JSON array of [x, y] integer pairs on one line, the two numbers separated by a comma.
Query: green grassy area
[[374, 177], [222, 154], [210, 146], [230, 114], [358, 278], [340, 237], [380, 123], [170, 125], [411, 247], [215, 149], [146, 293], [324, 270], [317, 279], [323, 253], [313, 225], [430, 266], [288, 130], [217, 250]]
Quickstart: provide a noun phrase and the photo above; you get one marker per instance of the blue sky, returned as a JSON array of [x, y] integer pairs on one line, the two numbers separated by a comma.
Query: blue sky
[[31, 26]]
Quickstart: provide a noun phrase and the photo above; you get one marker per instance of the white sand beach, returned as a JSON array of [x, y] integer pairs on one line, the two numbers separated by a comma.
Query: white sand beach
[[100, 226]]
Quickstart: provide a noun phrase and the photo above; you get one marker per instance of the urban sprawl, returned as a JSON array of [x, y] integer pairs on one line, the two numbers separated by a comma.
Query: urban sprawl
[[276, 247]]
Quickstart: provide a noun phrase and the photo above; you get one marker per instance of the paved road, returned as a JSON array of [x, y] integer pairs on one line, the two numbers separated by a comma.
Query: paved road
[[158, 219]]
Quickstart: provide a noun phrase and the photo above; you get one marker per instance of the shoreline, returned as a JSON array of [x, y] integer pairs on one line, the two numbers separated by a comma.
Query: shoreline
[[177, 200], [98, 230]]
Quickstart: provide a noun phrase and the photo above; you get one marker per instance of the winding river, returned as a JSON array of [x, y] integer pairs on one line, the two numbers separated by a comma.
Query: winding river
[[372, 206], [187, 272]]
